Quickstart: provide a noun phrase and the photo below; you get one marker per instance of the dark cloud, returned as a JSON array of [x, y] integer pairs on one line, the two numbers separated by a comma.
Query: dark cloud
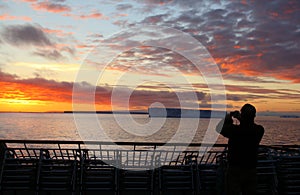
[[169, 98], [5, 77], [122, 23], [48, 54], [155, 2], [24, 35], [259, 42], [153, 61], [43, 41], [70, 50], [3, 6], [250, 92], [255, 93], [157, 19], [236, 97], [251, 89], [59, 1], [245, 37], [95, 35], [123, 7], [250, 79]]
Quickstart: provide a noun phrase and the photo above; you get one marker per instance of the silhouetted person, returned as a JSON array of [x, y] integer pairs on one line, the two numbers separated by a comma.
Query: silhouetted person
[[243, 142]]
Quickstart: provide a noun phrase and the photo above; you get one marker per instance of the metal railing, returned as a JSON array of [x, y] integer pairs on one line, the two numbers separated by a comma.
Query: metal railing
[[39, 160], [124, 154]]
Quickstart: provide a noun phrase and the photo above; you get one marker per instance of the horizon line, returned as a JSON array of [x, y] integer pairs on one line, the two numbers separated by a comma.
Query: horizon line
[[134, 111]]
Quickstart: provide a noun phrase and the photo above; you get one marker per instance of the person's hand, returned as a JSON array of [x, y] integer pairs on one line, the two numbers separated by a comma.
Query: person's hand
[[236, 117]]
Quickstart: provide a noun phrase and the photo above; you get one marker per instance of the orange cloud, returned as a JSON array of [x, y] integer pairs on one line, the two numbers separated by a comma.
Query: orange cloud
[[239, 64], [60, 33], [51, 7], [291, 74], [95, 15], [122, 15], [84, 46], [23, 97], [9, 17], [30, 1], [27, 91]]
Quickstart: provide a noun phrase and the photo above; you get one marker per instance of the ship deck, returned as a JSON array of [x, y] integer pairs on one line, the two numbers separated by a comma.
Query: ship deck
[[90, 167]]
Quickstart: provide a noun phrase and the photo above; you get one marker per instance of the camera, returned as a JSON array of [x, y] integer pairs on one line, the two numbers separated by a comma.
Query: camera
[[235, 114]]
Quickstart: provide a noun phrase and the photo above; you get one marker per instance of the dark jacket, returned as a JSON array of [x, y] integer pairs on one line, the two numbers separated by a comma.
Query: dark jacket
[[243, 142]]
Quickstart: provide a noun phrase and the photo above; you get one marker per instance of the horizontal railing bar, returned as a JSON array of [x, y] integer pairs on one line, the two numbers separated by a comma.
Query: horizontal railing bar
[[109, 143], [276, 146]]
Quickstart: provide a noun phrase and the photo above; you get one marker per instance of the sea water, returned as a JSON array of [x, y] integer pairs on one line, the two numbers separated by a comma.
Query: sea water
[[61, 126]]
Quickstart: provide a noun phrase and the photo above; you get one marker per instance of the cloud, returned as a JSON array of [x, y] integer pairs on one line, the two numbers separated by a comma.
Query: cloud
[[122, 23], [57, 32], [7, 77], [50, 90], [10, 17], [3, 6], [55, 7], [95, 15], [34, 89], [13, 87], [237, 97], [250, 79], [145, 60], [30, 1], [260, 44], [155, 2], [124, 7], [45, 42], [251, 89], [250, 38], [157, 19], [158, 61], [95, 35], [153, 60], [250, 93], [243, 92], [59, 1], [24, 35], [51, 55]]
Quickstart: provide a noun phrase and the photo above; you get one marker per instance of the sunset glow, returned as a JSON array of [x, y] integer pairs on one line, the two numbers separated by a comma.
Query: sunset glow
[[44, 43]]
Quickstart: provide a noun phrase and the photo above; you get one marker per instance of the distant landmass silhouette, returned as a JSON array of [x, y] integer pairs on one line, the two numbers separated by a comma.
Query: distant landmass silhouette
[[184, 113], [289, 116], [164, 112]]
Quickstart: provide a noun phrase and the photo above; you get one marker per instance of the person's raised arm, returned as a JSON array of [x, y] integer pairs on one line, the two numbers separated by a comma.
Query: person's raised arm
[[225, 126]]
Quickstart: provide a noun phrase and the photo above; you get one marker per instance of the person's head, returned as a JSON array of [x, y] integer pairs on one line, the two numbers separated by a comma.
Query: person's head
[[248, 112]]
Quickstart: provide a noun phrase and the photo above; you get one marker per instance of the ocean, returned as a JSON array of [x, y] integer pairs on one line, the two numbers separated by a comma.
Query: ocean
[[108, 127]]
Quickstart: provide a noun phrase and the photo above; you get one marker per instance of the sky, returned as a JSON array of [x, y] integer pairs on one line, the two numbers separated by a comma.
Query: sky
[[58, 55]]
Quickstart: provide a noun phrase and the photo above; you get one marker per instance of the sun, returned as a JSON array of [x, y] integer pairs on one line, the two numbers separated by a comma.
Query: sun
[[20, 101], [17, 105]]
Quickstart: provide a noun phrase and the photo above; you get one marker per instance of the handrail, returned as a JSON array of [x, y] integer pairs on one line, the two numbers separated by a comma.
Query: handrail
[[133, 143], [79, 144], [109, 143]]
